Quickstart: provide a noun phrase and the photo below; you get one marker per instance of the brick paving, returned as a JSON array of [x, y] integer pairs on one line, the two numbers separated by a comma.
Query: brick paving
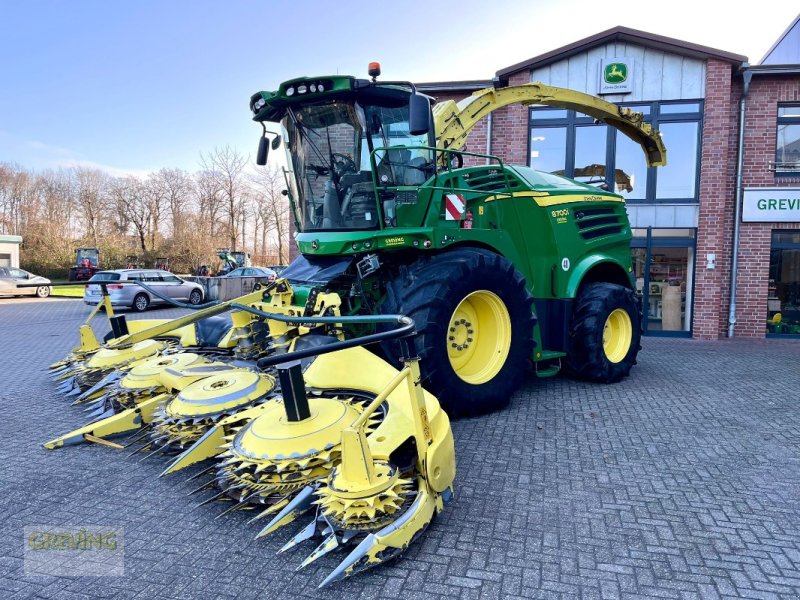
[[681, 482]]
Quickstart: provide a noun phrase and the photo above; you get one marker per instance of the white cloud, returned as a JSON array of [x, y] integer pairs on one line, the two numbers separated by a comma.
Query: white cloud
[[111, 170], [42, 147]]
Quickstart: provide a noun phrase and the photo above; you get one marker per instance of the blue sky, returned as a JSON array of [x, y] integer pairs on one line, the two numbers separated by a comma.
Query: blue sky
[[136, 86]]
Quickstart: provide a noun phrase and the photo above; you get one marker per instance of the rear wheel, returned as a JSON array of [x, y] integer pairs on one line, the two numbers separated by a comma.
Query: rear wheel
[[43, 291], [474, 320], [605, 333], [141, 302]]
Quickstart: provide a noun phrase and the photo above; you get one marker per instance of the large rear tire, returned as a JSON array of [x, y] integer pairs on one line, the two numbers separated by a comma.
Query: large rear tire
[[474, 319], [605, 333]]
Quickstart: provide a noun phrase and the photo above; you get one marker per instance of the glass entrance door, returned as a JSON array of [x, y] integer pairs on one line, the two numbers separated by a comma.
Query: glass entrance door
[[663, 266]]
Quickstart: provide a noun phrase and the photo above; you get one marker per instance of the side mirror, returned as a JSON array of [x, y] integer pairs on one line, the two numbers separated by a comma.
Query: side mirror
[[276, 142], [263, 151], [419, 115]]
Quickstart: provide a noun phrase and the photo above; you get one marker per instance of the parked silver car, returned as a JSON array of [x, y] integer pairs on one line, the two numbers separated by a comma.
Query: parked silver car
[[260, 272], [10, 277], [136, 297]]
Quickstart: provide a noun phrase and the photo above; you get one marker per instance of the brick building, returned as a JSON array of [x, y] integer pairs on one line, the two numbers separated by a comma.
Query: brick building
[[685, 215]]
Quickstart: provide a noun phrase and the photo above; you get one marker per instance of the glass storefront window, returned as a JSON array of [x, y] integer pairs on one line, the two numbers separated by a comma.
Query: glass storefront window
[[590, 155], [682, 107], [678, 179], [548, 113], [548, 148], [566, 142], [631, 169], [783, 297]]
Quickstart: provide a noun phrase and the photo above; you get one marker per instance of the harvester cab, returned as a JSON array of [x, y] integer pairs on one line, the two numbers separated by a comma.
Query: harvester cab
[[498, 265]]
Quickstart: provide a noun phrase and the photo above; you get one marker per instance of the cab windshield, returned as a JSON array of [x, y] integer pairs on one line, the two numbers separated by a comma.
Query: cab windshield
[[330, 146]]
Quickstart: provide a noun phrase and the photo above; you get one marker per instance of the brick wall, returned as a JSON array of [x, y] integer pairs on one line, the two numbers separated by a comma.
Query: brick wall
[[510, 128], [717, 181], [756, 238], [476, 141]]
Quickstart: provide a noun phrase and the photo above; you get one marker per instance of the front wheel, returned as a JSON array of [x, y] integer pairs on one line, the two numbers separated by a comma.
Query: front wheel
[[605, 333], [474, 320], [195, 297], [141, 302], [43, 291]]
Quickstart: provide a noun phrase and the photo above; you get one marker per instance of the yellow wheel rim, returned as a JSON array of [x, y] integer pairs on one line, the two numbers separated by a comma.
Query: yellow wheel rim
[[617, 335], [479, 337]]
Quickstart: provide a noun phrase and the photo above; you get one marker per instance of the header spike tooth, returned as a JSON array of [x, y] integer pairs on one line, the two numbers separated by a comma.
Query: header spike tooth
[[271, 509], [201, 473], [299, 504], [308, 532], [206, 485], [330, 543], [357, 554], [214, 497]]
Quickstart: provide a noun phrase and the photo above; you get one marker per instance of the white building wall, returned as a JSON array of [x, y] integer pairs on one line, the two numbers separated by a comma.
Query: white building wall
[[9, 251], [657, 75]]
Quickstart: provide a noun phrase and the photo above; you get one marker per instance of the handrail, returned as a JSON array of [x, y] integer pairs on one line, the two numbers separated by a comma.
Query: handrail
[[407, 328]]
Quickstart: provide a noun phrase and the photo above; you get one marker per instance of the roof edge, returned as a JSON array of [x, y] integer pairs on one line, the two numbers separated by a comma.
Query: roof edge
[[790, 69], [629, 35], [781, 37], [470, 85]]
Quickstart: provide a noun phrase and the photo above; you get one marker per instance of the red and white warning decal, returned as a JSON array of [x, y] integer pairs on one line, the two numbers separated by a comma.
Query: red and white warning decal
[[453, 207]]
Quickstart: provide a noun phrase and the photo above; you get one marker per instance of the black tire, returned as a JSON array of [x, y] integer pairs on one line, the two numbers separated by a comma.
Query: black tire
[[140, 302], [429, 291], [72, 275], [43, 291], [587, 357], [196, 297]]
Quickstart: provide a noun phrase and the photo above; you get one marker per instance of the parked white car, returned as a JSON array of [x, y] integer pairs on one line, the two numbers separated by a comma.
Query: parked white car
[[10, 277]]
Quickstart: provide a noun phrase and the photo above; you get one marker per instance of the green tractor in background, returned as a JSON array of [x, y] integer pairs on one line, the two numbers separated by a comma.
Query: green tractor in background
[[500, 266]]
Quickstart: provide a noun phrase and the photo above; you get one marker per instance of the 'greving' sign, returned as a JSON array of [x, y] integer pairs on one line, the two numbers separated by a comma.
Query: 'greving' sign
[[771, 205]]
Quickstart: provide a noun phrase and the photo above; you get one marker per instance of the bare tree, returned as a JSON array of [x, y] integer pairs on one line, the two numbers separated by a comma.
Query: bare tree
[[176, 188], [14, 182], [132, 204], [227, 166], [209, 201], [273, 207], [91, 193]]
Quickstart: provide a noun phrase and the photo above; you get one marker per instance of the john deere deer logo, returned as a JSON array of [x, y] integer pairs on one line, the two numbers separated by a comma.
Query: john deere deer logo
[[615, 73]]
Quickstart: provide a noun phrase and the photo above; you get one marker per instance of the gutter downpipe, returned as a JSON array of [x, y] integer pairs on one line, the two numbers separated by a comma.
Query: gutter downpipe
[[747, 75]]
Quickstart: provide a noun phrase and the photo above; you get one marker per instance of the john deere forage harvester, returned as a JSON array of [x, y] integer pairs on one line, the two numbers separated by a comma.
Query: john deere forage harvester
[[497, 266]]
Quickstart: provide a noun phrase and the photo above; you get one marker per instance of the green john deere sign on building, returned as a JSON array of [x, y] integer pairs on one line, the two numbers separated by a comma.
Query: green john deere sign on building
[[615, 73], [616, 76]]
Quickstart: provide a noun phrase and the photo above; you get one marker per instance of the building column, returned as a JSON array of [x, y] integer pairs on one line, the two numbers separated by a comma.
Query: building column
[[717, 184]]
